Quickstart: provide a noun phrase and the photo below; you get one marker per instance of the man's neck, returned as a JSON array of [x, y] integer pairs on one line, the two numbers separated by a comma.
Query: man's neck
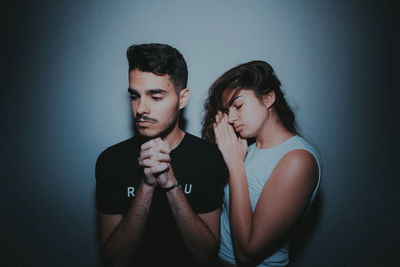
[[174, 138]]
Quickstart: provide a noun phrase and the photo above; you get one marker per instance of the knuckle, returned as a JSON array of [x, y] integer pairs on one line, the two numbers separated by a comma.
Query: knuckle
[[155, 169]]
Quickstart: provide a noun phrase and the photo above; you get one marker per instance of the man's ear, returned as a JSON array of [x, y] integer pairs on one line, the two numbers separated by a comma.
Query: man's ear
[[269, 99], [183, 98]]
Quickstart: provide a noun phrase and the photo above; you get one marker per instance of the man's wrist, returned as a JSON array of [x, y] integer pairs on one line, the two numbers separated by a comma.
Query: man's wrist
[[170, 188], [148, 186]]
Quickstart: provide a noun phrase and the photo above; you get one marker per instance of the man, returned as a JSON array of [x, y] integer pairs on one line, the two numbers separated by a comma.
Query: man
[[159, 193]]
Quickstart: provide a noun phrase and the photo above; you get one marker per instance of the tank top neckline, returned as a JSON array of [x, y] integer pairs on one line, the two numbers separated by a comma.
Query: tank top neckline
[[275, 146]]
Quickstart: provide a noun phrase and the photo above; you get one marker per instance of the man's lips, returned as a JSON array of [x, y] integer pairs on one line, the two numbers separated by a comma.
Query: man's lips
[[143, 122]]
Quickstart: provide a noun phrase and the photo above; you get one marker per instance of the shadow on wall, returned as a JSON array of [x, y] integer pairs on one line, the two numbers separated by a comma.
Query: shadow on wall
[[96, 233], [305, 230]]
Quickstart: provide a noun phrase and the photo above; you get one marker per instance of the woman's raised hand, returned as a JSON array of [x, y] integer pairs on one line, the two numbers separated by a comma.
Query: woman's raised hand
[[232, 147]]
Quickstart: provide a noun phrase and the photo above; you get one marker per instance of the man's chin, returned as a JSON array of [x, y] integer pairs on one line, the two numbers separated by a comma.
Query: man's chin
[[152, 132], [145, 133]]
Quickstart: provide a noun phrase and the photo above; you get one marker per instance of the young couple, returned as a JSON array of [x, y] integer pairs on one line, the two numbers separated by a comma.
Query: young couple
[[168, 198]]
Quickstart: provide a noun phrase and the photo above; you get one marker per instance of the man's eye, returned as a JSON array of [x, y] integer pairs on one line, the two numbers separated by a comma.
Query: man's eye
[[133, 97], [157, 98], [239, 106]]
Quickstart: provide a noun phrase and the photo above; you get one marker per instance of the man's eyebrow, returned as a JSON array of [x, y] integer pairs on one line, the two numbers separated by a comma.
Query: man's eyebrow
[[148, 92], [132, 91], [156, 91]]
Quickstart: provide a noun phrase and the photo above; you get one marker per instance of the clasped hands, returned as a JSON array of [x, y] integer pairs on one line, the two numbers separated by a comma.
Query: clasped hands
[[154, 158]]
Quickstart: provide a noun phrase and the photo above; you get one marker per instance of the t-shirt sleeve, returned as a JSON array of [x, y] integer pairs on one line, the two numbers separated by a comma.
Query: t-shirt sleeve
[[213, 186], [107, 197]]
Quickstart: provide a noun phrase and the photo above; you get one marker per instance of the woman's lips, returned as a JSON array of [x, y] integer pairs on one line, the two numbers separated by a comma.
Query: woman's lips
[[238, 128]]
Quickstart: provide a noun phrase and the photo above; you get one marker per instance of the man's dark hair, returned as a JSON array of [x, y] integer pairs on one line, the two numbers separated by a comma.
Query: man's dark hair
[[159, 59]]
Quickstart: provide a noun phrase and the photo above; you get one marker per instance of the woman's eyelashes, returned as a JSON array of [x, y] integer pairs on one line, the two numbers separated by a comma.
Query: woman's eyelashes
[[238, 106]]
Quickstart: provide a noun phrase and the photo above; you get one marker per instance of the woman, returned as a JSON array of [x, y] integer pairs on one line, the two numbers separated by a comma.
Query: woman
[[273, 181]]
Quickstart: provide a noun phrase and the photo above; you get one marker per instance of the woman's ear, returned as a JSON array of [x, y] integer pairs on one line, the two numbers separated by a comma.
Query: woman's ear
[[183, 98], [269, 99]]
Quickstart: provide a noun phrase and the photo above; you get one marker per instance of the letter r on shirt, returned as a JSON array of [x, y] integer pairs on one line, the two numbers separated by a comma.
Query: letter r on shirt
[[131, 191]]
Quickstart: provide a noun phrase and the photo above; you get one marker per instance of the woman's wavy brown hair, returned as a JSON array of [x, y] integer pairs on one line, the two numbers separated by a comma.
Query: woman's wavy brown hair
[[256, 75]]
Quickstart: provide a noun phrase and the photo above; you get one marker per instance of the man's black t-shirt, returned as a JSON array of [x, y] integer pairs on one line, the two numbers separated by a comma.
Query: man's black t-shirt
[[200, 170]]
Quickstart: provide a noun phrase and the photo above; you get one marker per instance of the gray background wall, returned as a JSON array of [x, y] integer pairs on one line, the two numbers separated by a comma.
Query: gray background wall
[[64, 99]]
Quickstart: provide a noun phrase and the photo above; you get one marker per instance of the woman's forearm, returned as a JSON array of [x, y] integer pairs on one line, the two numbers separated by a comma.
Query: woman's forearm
[[241, 214]]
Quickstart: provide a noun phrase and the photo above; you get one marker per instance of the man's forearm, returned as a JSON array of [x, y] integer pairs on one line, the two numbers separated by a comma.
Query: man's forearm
[[125, 239], [198, 237]]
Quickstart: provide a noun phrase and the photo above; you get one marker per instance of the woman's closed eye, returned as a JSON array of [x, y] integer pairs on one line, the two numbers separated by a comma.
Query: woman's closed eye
[[238, 106]]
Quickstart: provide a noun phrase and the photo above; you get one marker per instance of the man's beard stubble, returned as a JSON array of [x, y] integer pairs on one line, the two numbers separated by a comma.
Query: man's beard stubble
[[167, 130]]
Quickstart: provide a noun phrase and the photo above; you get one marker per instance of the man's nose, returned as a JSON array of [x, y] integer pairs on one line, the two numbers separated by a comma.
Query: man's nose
[[142, 107]]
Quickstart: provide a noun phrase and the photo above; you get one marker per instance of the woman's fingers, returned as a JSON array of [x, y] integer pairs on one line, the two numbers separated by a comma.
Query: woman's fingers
[[223, 131], [217, 117], [217, 133], [227, 131]]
